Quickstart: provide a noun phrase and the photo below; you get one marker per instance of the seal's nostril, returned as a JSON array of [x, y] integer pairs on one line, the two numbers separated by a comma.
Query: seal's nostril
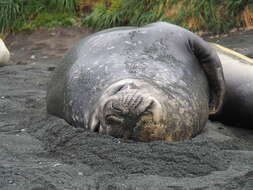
[[119, 88]]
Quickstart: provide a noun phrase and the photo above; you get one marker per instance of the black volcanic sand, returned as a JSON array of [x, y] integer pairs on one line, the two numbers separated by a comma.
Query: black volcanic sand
[[42, 152], [241, 42]]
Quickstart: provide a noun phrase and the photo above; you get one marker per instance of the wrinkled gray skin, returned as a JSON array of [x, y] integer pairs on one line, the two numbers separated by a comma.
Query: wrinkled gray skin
[[157, 82]]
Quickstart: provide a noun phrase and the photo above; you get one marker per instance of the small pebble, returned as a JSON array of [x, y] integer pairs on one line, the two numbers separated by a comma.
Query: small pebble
[[57, 164], [80, 173], [21, 63], [51, 68]]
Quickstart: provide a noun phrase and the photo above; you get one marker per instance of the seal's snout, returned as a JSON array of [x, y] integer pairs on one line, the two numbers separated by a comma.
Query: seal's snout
[[127, 108], [132, 114], [128, 102]]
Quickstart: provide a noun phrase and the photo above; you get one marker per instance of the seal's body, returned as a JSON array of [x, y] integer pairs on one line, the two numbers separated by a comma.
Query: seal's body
[[4, 53], [157, 82], [238, 102]]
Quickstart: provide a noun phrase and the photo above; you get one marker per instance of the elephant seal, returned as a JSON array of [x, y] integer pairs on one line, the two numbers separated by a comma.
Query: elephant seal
[[4, 54], [157, 82], [237, 109]]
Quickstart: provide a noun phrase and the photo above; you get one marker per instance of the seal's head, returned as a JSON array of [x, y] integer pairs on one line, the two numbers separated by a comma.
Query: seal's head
[[131, 108]]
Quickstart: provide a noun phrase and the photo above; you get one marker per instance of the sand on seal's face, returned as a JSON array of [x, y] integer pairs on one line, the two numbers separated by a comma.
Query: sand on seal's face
[[4, 53]]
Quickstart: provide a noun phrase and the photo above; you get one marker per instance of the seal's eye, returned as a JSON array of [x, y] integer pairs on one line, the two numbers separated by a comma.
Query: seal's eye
[[116, 90], [113, 120]]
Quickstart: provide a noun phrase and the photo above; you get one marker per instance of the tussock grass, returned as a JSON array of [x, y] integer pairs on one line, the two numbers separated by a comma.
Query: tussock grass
[[17, 14], [9, 11], [121, 12], [213, 15], [217, 16], [248, 15]]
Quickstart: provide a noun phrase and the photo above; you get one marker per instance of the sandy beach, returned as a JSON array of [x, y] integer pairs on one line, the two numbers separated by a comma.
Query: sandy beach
[[42, 152]]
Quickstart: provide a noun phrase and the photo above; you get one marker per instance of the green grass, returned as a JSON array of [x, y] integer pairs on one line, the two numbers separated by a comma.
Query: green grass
[[217, 16], [9, 11], [62, 5], [18, 15], [123, 12], [47, 20]]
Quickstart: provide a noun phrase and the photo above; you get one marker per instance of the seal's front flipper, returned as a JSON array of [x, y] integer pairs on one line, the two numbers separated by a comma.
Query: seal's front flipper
[[211, 65]]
